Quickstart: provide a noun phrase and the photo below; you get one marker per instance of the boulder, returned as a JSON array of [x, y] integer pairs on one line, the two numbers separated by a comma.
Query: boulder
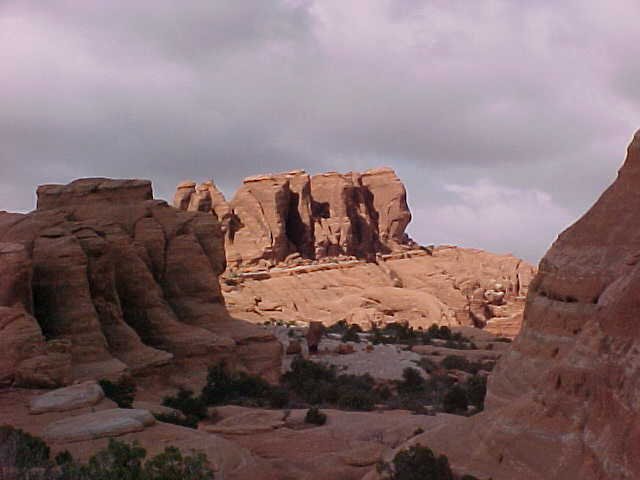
[[77, 396], [91, 426], [247, 423]]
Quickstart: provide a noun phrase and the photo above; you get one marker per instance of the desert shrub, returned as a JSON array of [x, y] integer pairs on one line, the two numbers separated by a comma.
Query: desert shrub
[[176, 419], [63, 458], [172, 465], [428, 365], [351, 335], [225, 386], [315, 417], [354, 399], [401, 333], [122, 461], [417, 463], [278, 397], [412, 382], [436, 387], [339, 327], [456, 362], [476, 388], [442, 332], [455, 400], [22, 450], [193, 408], [318, 384], [122, 392]]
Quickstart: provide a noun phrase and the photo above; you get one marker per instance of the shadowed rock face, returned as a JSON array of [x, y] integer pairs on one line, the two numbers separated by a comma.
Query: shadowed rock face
[[563, 401], [126, 282], [330, 215]]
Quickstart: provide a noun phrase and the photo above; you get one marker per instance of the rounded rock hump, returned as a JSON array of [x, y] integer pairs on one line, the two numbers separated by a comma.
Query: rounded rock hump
[[92, 191]]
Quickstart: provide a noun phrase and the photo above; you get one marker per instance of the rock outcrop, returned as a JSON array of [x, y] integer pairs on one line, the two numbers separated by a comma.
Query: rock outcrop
[[563, 401], [108, 279], [449, 286], [274, 218]]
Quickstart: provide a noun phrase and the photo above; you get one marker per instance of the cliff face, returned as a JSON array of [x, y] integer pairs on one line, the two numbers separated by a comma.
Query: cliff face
[[101, 279], [563, 401], [272, 217]]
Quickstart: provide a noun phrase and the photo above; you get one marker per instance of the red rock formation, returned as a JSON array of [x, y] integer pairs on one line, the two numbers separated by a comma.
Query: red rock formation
[[563, 401], [126, 281], [328, 215]]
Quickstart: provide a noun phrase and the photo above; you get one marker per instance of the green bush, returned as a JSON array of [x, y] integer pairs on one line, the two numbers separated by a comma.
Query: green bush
[[122, 461], [315, 417], [122, 392], [316, 384], [22, 450], [428, 365], [225, 386], [175, 419], [351, 335], [194, 408], [476, 388], [172, 465], [455, 400], [412, 382], [418, 463]]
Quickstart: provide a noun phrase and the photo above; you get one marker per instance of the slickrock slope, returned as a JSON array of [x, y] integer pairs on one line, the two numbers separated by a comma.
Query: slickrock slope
[[289, 216], [102, 279], [449, 286], [563, 401]]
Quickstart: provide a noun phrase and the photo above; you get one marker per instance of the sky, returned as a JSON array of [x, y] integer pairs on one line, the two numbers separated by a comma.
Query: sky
[[504, 119]]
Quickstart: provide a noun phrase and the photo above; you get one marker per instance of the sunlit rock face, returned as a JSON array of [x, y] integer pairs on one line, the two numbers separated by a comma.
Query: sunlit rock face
[[274, 216], [101, 280]]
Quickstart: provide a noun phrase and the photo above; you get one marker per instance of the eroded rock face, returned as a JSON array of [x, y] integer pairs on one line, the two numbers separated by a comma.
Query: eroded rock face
[[122, 281], [275, 217], [563, 401]]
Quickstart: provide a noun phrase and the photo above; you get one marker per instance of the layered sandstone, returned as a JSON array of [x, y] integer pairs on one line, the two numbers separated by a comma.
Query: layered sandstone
[[563, 401], [448, 286], [125, 283], [273, 218]]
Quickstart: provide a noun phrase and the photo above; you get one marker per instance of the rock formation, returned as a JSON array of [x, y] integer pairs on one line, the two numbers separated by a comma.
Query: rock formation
[[273, 218], [449, 286], [563, 401], [101, 280]]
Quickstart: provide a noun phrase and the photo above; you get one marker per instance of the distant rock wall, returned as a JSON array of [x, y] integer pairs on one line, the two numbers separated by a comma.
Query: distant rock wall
[[108, 280], [273, 217]]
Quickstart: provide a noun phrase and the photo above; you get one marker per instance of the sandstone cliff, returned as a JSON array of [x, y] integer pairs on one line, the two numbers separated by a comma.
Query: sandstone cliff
[[101, 279], [563, 401], [272, 218]]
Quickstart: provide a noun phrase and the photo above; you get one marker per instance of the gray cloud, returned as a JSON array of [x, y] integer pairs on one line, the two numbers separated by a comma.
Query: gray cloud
[[501, 112]]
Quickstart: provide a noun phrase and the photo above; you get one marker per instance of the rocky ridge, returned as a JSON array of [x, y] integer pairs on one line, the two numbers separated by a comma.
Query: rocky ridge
[[562, 402], [292, 217], [102, 280]]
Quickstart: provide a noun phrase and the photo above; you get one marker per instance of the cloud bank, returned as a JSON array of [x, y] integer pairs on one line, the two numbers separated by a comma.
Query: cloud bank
[[504, 119]]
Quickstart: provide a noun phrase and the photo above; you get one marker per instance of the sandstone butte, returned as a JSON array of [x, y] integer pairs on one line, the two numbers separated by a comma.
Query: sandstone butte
[[562, 402], [333, 247], [102, 280]]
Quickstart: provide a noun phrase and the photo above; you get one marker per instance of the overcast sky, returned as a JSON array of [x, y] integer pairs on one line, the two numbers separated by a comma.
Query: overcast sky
[[504, 119]]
